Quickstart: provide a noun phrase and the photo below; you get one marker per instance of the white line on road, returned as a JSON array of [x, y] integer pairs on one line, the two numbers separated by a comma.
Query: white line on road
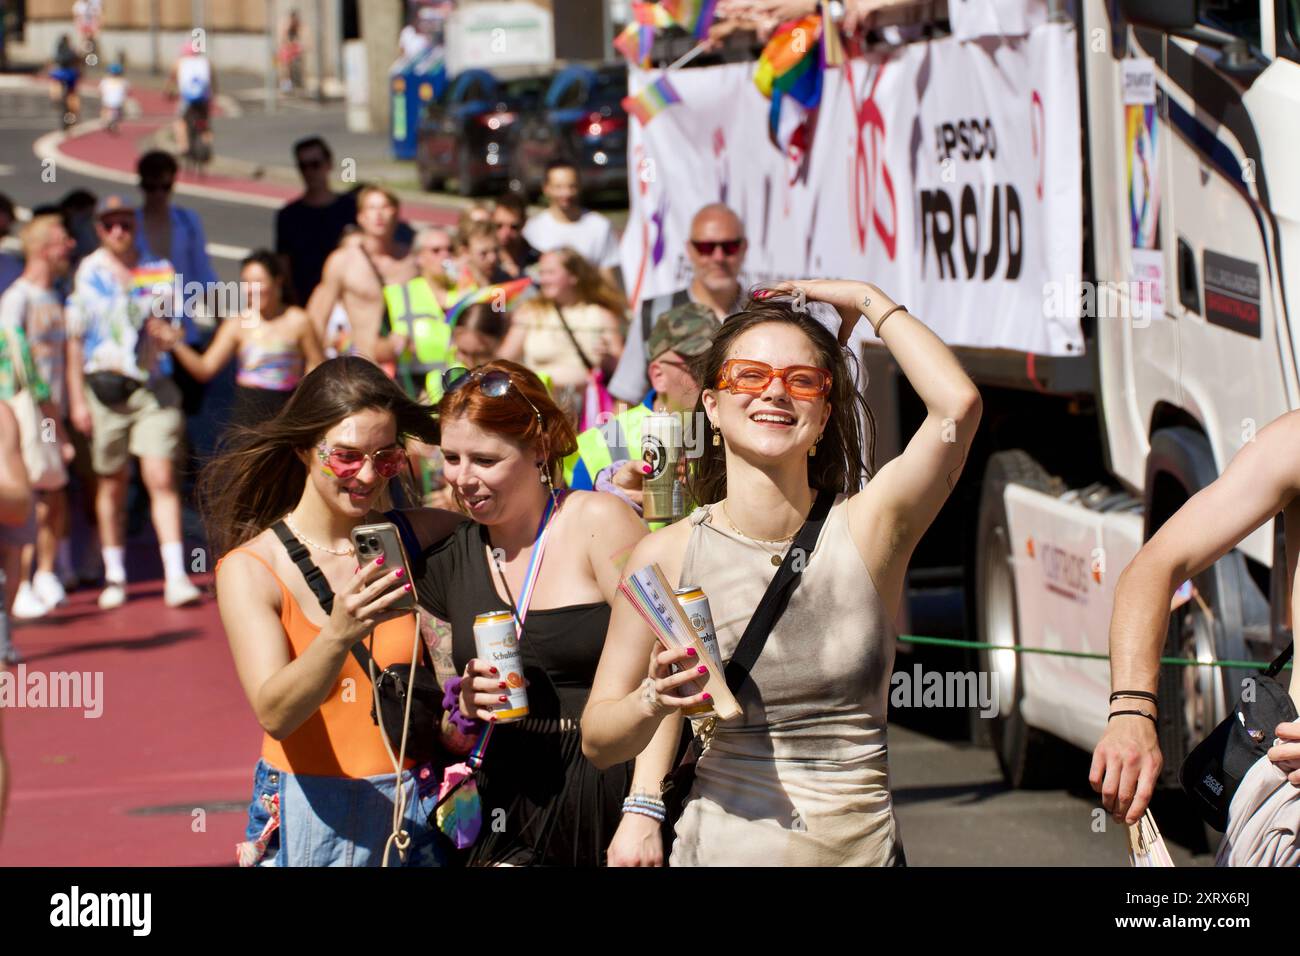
[[47, 148]]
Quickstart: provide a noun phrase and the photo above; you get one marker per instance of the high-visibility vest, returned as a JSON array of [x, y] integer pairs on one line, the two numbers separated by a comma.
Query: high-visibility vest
[[414, 312], [619, 439]]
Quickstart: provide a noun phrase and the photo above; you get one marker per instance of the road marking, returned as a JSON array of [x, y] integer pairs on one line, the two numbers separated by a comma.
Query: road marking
[[222, 251], [47, 148]]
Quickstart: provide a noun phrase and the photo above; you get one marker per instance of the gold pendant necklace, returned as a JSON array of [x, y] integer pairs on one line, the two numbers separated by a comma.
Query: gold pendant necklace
[[776, 558]]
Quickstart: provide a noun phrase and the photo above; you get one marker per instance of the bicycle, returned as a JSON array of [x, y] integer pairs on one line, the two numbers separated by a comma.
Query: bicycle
[[198, 151]]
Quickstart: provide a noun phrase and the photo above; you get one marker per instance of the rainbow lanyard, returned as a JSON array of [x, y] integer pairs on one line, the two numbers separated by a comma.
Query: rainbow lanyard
[[475, 758]]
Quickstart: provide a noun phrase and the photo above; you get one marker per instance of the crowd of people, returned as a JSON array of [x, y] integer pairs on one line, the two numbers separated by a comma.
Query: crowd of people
[[484, 389]]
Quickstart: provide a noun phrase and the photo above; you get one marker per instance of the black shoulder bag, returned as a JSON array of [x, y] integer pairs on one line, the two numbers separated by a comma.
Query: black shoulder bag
[[423, 743], [676, 786], [1213, 771]]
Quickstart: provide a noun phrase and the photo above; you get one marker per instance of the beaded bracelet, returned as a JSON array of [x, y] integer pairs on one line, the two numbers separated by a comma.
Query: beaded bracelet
[[451, 704], [645, 812]]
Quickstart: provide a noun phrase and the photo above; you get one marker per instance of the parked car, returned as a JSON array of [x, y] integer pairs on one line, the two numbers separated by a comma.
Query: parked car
[[465, 133], [582, 120]]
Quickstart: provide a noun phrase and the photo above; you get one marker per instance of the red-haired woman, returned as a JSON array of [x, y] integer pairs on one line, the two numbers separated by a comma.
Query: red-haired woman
[[504, 441]]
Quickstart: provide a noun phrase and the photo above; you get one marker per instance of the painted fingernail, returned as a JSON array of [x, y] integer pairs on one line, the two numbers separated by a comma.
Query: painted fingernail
[[495, 671], [503, 699], [502, 685], [399, 572], [379, 560], [646, 468], [690, 652], [701, 669], [492, 719], [708, 697], [406, 586]]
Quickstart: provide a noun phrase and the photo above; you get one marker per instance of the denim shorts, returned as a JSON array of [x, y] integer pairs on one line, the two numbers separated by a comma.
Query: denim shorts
[[342, 821]]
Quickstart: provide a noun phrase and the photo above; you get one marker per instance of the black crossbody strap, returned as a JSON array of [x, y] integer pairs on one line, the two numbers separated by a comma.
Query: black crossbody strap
[[574, 339], [1280, 661], [777, 596], [300, 556]]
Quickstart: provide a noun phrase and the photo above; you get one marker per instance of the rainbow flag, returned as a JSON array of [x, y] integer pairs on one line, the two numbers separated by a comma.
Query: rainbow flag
[[635, 43], [652, 100], [653, 15], [505, 293], [791, 65], [693, 16]]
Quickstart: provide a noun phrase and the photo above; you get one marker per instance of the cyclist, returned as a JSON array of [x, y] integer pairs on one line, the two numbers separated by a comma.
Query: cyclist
[[113, 91], [192, 79]]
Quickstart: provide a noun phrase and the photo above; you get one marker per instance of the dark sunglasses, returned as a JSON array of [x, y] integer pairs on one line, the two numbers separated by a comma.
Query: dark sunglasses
[[126, 225], [493, 384], [310, 164], [706, 247]]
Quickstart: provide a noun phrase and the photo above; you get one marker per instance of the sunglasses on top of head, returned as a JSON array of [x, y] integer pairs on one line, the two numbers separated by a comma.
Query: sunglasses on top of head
[[346, 462], [706, 247], [751, 377], [493, 384]]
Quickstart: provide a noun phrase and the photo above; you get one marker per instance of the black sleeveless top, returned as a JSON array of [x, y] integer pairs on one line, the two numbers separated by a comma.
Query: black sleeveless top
[[559, 809]]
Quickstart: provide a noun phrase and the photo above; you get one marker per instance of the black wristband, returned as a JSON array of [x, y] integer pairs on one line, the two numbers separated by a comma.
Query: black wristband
[[1135, 713], [1134, 693]]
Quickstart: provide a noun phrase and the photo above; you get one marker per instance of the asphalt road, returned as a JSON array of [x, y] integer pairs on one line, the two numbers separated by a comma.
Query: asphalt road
[[952, 806]]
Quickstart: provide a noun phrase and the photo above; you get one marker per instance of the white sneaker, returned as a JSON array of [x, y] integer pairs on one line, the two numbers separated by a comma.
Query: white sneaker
[[49, 589], [113, 595], [28, 605], [180, 592]]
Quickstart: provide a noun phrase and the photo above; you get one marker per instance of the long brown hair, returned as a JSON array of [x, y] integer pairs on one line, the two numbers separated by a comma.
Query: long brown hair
[[511, 416], [588, 282], [838, 465], [259, 477]]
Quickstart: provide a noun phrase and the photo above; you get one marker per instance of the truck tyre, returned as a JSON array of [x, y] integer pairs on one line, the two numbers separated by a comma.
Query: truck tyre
[[1027, 757]]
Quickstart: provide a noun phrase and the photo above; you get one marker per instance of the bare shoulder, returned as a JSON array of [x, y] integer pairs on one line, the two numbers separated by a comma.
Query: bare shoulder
[[432, 525], [665, 547], [8, 430], [242, 574], [596, 509], [296, 319]]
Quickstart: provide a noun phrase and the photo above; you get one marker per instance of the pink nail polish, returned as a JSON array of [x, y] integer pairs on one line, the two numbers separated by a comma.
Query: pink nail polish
[[379, 560], [702, 669], [708, 697], [690, 652], [406, 587], [399, 572]]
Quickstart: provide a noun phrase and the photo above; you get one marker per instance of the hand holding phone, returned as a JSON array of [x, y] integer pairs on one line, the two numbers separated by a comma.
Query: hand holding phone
[[382, 540]]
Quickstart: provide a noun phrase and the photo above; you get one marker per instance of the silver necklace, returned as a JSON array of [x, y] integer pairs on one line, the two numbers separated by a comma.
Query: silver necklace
[[320, 547], [777, 557]]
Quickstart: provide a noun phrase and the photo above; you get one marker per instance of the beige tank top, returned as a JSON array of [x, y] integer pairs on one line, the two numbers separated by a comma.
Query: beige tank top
[[801, 777]]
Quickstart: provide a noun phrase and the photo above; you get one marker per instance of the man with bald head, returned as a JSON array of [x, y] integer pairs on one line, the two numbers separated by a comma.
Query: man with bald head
[[716, 249]]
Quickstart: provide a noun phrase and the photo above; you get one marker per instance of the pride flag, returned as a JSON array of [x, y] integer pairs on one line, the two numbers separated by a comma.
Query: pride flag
[[693, 16], [504, 293], [791, 65], [635, 43], [652, 100]]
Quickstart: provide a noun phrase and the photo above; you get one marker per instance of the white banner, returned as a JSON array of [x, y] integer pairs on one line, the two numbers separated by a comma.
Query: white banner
[[948, 173]]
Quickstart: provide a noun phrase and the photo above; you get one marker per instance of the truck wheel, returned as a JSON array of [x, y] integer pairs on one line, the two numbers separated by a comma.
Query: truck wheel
[[1026, 756]]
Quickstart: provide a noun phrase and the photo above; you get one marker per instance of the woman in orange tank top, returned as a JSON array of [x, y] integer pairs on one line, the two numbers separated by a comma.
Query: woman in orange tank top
[[326, 785]]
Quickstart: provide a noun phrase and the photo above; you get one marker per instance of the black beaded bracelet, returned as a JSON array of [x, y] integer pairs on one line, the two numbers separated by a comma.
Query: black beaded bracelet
[[1134, 693], [1135, 713]]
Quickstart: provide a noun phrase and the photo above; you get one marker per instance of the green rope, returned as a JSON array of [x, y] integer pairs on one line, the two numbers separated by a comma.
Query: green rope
[[1181, 661]]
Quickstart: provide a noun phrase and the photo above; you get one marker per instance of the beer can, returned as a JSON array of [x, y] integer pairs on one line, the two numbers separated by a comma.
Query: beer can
[[696, 605], [496, 642], [661, 448]]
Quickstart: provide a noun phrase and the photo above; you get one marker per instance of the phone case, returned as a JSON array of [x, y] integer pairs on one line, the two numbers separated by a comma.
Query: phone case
[[371, 540]]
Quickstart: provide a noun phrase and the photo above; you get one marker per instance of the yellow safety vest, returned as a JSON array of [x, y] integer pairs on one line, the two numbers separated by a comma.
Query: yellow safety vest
[[414, 312]]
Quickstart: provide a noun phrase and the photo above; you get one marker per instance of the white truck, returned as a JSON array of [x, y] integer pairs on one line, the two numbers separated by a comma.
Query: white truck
[[1115, 274]]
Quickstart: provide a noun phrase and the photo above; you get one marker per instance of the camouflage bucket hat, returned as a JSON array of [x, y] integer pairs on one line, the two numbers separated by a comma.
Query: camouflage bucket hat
[[687, 330]]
